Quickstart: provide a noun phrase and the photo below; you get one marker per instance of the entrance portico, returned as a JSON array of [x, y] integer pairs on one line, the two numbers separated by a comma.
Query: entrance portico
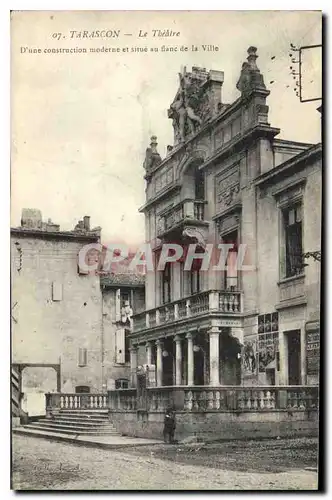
[[196, 357]]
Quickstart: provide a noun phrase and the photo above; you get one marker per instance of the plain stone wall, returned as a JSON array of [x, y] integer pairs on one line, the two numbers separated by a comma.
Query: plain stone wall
[[47, 330], [219, 425]]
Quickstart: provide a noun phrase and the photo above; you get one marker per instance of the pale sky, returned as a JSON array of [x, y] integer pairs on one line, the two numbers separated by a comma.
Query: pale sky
[[81, 122]]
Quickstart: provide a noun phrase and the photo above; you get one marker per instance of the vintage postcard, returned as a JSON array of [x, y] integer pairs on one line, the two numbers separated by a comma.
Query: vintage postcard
[[166, 204]]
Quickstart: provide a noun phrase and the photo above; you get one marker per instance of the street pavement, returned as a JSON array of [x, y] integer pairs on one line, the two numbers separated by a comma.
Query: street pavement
[[39, 464]]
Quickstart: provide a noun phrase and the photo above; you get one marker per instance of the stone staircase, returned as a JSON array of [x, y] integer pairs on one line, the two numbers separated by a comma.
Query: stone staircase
[[71, 423]]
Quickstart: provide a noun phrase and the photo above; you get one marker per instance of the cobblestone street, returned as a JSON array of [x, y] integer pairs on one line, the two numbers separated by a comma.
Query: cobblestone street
[[39, 464]]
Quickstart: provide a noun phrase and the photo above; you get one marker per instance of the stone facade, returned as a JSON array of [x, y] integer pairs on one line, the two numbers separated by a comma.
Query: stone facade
[[228, 179], [61, 315], [214, 426]]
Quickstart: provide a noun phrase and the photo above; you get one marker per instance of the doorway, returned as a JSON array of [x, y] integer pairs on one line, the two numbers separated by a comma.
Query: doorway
[[294, 357]]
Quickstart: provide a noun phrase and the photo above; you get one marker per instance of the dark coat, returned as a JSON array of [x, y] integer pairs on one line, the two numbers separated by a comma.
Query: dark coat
[[169, 422]]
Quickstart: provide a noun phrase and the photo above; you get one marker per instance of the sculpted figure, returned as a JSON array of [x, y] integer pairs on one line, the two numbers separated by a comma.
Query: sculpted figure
[[181, 112]]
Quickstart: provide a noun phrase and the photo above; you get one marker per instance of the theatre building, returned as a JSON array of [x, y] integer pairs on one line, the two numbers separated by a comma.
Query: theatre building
[[228, 179]]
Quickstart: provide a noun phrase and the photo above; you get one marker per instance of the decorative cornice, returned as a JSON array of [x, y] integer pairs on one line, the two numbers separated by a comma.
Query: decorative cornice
[[297, 162], [234, 209], [291, 185], [238, 142], [176, 186]]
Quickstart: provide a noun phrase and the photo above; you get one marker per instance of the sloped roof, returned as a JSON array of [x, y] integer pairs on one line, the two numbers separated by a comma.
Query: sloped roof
[[120, 274], [122, 279]]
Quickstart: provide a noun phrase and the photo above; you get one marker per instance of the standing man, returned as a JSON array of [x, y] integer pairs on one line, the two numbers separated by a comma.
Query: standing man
[[169, 426]]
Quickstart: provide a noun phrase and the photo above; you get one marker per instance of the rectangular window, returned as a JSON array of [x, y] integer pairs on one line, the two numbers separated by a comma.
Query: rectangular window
[[292, 219], [122, 383], [82, 357], [195, 285], [182, 280], [231, 273], [166, 284]]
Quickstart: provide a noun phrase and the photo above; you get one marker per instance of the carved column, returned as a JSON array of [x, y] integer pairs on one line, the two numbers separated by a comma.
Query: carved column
[[178, 360], [159, 363], [148, 347], [190, 351], [133, 366], [214, 355]]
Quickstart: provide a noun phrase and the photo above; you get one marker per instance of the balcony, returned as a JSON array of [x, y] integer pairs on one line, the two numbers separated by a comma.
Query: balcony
[[186, 212], [212, 302], [292, 292]]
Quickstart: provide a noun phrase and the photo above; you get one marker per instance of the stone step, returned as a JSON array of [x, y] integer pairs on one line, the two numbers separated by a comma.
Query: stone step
[[81, 411], [76, 421], [71, 425], [70, 431], [81, 419], [102, 441], [35, 432]]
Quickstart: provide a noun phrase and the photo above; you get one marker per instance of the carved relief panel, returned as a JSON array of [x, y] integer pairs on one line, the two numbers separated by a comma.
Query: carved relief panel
[[163, 178], [227, 186]]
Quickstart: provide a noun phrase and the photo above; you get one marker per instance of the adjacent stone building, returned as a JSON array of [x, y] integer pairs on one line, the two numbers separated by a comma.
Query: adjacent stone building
[[228, 179], [69, 326]]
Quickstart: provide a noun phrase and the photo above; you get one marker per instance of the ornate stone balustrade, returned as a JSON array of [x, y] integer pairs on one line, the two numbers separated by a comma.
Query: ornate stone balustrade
[[220, 399], [123, 399], [140, 321], [197, 304], [194, 399], [76, 401], [186, 209]]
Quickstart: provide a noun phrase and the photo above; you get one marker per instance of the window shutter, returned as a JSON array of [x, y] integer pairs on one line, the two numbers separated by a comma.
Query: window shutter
[[120, 345], [56, 291], [82, 357], [80, 270], [118, 305]]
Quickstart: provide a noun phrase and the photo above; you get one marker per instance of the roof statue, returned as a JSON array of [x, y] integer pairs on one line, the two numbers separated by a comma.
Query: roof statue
[[152, 157], [195, 102], [250, 77]]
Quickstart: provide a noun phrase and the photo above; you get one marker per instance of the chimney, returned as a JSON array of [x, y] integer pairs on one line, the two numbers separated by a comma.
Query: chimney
[[31, 218], [213, 86], [86, 222]]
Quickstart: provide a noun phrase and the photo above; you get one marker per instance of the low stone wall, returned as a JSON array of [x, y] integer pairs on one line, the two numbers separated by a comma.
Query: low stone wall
[[215, 425]]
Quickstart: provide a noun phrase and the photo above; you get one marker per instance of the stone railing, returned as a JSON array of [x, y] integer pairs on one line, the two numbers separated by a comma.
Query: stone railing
[[222, 399], [292, 288], [186, 209], [197, 304], [74, 401], [250, 398], [122, 399]]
